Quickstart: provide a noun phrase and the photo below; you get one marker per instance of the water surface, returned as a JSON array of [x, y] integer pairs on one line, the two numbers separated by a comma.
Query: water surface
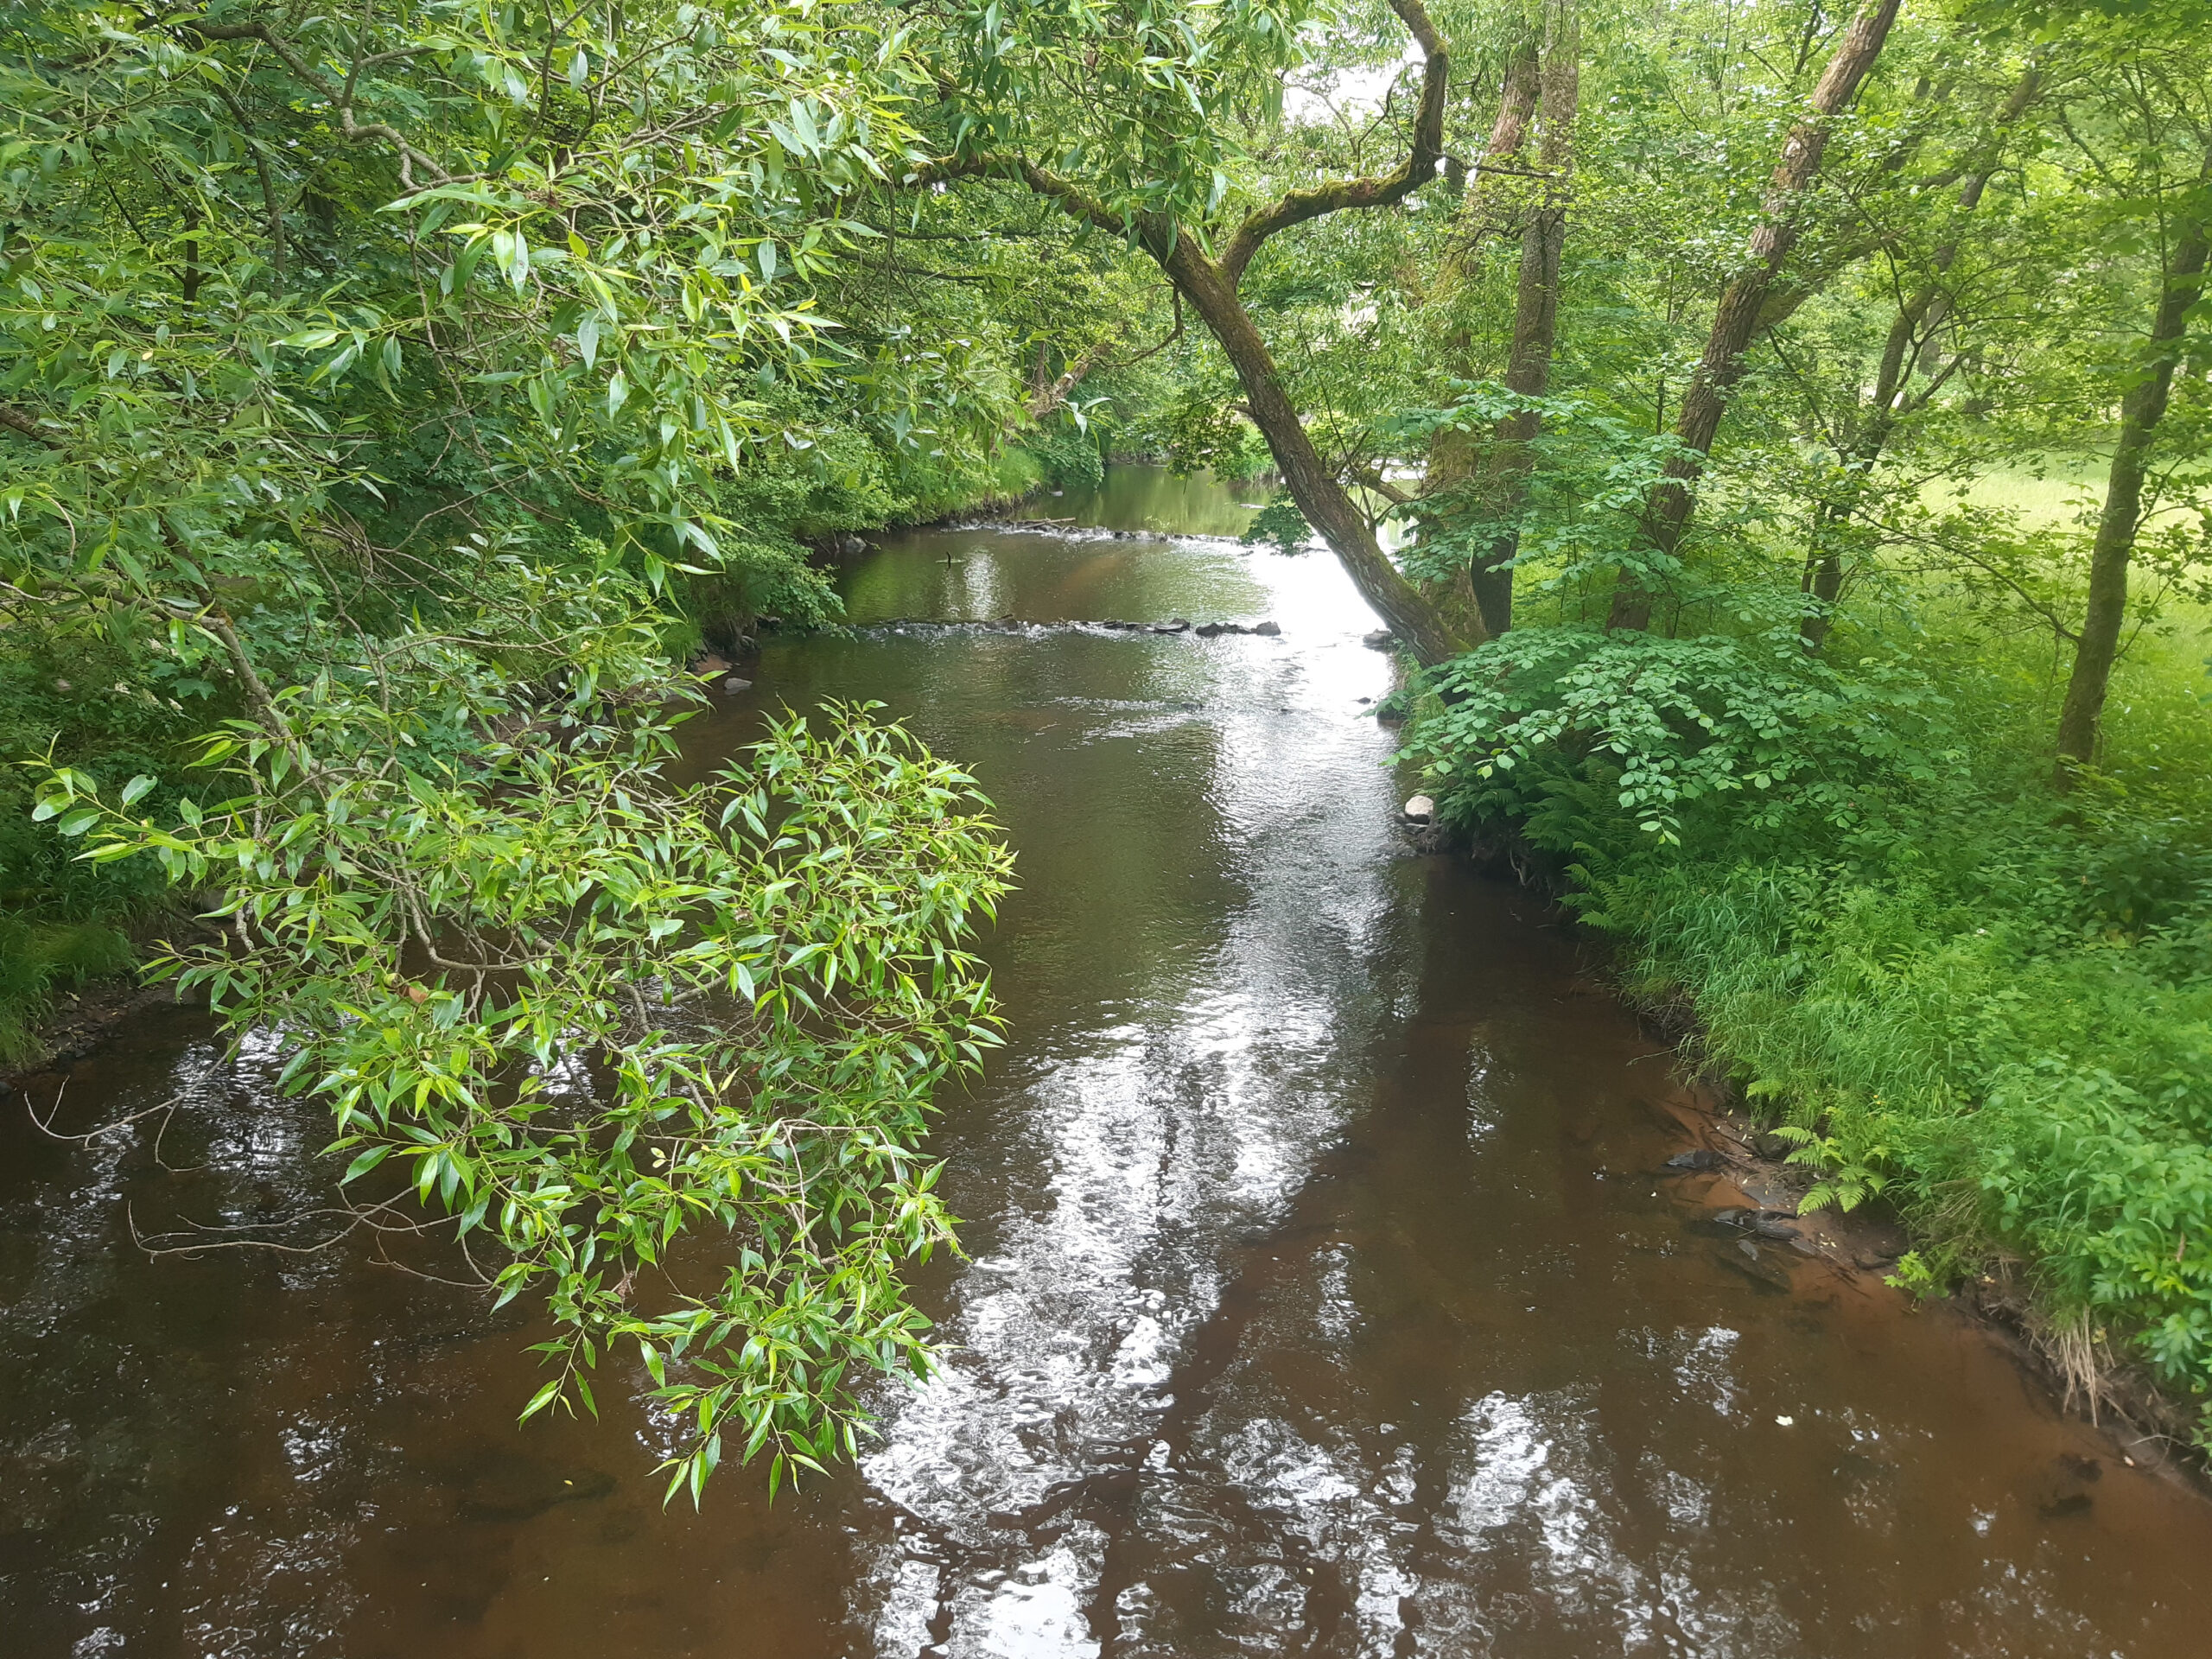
[[1320, 1296]]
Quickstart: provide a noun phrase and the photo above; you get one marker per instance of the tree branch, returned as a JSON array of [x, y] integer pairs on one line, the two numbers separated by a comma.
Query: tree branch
[[1078, 202], [1371, 477], [341, 101], [1376, 191], [269, 201], [25, 426]]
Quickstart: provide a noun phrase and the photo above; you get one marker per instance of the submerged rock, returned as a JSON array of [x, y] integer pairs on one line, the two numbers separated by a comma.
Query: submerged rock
[[1697, 1160], [734, 684]]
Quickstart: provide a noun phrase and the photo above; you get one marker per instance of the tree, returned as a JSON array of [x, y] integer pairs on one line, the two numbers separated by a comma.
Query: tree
[[383, 374], [1928, 305], [1144, 99], [1511, 458], [1742, 303], [1456, 455], [2182, 214]]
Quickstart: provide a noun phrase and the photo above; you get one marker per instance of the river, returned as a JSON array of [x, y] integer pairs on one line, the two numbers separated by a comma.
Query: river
[[1321, 1296]]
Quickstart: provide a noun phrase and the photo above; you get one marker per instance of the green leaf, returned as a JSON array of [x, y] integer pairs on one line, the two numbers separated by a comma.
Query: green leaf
[[364, 1163], [542, 1399]]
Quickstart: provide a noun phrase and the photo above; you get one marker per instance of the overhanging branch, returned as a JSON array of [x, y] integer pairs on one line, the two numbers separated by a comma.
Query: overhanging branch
[[340, 99], [1020, 169], [1382, 190]]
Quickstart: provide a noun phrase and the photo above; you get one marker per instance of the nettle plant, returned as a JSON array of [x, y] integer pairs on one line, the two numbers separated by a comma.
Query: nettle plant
[[588, 1012]]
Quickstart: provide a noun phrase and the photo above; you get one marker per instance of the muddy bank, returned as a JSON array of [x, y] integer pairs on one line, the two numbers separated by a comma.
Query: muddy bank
[[1744, 1175], [80, 1020]]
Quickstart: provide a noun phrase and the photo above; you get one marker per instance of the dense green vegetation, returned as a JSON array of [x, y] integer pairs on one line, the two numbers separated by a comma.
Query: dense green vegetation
[[392, 405], [1798, 758]]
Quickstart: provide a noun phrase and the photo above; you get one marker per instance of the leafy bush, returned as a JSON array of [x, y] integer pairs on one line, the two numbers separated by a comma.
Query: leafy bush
[[1668, 728], [587, 1010]]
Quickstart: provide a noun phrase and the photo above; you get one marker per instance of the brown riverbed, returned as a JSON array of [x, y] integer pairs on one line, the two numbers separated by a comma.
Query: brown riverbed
[[1321, 1296]]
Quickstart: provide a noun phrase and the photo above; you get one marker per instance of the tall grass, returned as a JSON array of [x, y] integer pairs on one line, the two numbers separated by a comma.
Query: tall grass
[[35, 960]]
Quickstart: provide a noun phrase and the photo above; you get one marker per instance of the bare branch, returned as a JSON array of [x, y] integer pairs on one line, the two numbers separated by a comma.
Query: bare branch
[[25, 426], [1077, 201]]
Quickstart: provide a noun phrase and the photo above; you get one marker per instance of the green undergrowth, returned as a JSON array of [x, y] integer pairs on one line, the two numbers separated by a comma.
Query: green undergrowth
[[63, 921], [37, 960], [1954, 987]]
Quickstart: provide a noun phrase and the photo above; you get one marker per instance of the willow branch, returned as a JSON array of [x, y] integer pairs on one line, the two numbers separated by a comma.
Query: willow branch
[[1073, 197], [269, 200], [341, 100], [25, 426], [1371, 477]]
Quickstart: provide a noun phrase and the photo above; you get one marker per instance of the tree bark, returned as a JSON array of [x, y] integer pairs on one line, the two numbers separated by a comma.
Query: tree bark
[[2142, 407], [1437, 621], [1741, 302], [1454, 453], [1535, 313]]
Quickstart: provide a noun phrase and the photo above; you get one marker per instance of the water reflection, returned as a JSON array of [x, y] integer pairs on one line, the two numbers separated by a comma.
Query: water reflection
[[1320, 1296]]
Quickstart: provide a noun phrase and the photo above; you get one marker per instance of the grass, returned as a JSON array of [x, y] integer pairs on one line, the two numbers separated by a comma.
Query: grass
[[35, 960], [2050, 496], [1999, 1012]]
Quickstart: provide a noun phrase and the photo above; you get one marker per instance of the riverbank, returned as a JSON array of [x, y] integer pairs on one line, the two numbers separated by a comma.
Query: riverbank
[[1952, 990], [78, 1021], [1756, 1186], [1326, 1285], [1731, 1159]]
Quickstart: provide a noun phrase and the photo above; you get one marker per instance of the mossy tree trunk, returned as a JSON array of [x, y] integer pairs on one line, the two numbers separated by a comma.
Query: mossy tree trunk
[[2142, 407], [1535, 311]]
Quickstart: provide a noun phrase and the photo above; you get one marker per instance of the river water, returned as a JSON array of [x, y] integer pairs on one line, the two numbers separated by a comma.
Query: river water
[[1319, 1294]]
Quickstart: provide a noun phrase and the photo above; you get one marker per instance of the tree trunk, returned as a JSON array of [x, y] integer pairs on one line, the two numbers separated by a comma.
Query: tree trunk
[[2142, 407], [1742, 300], [1454, 453], [1824, 564], [1535, 312], [1438, 621]]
